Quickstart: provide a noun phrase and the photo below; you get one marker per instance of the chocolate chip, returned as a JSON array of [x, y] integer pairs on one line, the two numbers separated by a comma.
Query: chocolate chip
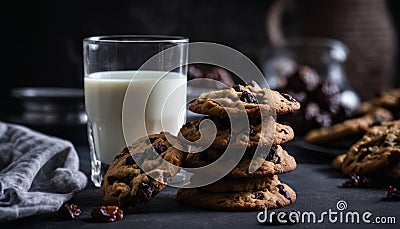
[[237, 88], [393, 194], [69, 211], [289, 97], [126, 150], [146, 191], [107, 214], [259, 196], [283, 192], [357, 181], [271, 154], [224, 122], [160, 148], [129, 160], [248, 97]]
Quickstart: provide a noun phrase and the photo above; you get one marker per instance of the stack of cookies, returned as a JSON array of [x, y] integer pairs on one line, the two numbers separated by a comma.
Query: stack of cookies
[[240, 189]]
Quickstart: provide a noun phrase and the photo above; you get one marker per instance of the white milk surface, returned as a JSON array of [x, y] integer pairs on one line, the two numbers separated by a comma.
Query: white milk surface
[[155, 101]]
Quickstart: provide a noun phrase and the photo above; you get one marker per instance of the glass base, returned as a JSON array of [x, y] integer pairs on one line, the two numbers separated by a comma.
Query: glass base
[[98, 172], [98, 169]]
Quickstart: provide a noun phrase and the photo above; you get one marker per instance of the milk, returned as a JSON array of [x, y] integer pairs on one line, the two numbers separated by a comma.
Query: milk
[[104, 98]]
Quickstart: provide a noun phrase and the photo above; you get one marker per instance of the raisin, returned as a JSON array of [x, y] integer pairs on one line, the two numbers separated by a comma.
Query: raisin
[[107, 214], [283, 192], [357, 181], [259, 196], [69, 211], [393, 194], [248, 97], [289, 97], [160, 148], [146, 192]]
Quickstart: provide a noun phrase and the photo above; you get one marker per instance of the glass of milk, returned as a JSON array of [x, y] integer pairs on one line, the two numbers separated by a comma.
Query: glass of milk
[[134, 86]]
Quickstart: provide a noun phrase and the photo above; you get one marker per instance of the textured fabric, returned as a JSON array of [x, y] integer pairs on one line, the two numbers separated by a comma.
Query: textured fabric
[[38, 173]]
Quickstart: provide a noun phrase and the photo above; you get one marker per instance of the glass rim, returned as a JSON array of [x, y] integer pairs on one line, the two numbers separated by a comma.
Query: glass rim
[[136, 39]]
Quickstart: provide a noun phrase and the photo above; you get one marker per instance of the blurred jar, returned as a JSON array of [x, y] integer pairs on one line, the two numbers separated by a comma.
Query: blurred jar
[[326, 56]]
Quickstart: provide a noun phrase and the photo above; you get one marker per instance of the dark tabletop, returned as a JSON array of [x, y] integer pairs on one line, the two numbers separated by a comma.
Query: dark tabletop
[[316, 184]]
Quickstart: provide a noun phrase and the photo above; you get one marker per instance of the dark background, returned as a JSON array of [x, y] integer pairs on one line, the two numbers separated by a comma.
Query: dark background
[[42, 40]]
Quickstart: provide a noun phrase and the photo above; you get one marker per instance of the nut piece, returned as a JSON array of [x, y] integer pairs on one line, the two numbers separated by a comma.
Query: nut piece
[[107, 214], [69, 211]]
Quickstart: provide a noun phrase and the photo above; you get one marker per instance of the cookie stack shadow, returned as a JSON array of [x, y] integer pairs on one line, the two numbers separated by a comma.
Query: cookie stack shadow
[[239, 189]]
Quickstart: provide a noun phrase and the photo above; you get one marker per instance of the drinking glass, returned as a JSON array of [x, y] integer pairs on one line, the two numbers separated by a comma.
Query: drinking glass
[[112, 66]]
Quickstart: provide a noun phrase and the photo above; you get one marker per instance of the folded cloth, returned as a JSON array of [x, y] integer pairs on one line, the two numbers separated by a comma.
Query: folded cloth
[[38, 173]]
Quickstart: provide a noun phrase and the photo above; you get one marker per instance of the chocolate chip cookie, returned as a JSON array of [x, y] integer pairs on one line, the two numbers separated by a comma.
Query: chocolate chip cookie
[[348, 128], [277, 161], [125, 184], [244, 98], [378, 150], [257, 133], [274, 195]]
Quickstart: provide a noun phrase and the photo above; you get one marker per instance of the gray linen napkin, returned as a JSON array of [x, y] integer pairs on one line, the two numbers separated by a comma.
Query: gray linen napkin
[[38, 173]]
